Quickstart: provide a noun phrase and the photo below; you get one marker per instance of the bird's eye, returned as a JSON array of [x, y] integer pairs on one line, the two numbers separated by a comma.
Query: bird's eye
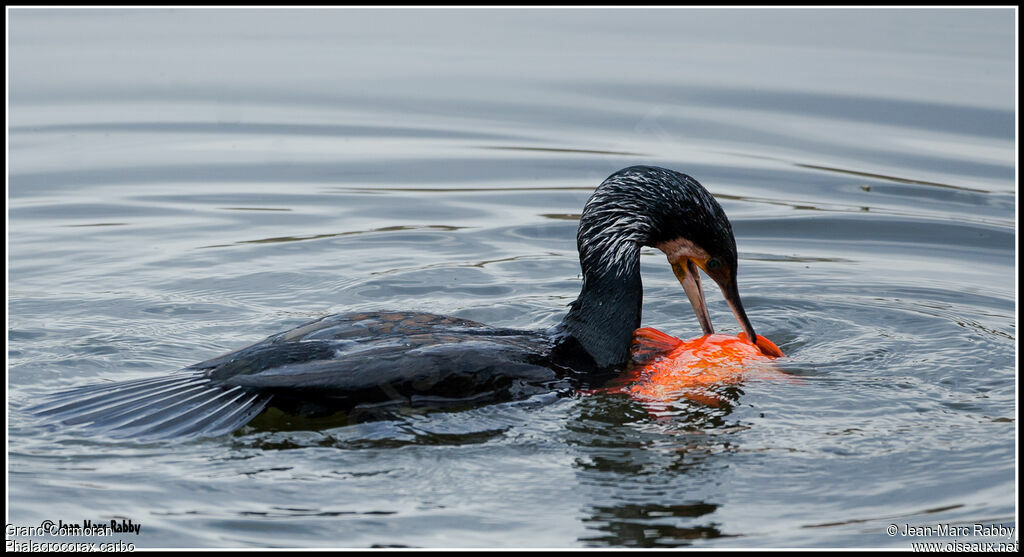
[[712, 264]]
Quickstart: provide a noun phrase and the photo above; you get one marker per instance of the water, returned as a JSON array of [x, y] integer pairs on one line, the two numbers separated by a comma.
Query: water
[[184, 182]]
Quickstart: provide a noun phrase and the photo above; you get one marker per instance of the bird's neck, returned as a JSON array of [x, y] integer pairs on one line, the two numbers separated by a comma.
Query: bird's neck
[[607, 311]]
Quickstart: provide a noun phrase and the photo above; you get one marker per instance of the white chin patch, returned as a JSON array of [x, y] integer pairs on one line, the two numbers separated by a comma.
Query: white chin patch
[[680, 248]]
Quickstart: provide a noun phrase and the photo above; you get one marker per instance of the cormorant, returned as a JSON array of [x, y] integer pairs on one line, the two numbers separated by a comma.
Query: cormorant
[[344, 361]]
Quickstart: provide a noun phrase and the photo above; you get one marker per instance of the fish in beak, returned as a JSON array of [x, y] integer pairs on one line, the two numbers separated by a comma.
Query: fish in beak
[[687, 260]]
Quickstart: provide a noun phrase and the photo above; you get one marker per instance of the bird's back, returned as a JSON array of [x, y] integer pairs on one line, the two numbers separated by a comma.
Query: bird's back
[[331, 364]]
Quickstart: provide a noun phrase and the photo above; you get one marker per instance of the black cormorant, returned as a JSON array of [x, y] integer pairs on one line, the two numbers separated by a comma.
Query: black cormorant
[[344, 361]]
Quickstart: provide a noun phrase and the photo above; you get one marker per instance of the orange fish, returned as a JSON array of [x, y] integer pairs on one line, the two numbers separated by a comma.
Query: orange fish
[[667, 368]]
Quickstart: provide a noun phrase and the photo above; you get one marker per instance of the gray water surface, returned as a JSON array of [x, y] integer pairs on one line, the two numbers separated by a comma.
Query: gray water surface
[[185, 182]]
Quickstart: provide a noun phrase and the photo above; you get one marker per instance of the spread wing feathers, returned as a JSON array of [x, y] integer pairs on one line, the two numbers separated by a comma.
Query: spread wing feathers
[[357, 357], [180, 406]]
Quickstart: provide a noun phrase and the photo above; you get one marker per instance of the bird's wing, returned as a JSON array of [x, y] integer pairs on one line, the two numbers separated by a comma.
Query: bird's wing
[[451, 369], [349, 330]]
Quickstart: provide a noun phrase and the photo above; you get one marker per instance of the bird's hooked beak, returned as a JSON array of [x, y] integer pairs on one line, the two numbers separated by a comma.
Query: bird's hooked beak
[[685, 267], [686, 270]]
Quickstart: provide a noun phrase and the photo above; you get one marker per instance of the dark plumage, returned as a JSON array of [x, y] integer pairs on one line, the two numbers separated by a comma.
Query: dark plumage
[[344, 361]]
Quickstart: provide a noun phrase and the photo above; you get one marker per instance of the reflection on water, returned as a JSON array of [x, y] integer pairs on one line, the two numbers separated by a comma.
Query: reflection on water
[[650, 525], [649, 460], [185, 182]]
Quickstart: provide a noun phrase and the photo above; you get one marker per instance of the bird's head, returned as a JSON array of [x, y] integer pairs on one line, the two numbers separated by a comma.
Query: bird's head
[[651, 206]]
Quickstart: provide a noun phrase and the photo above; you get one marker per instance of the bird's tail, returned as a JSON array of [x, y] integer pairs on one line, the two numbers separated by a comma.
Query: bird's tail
[[179, 406]]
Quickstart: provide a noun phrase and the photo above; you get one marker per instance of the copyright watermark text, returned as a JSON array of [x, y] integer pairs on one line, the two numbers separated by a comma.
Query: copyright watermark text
[[59, 529], [1004, 536]]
